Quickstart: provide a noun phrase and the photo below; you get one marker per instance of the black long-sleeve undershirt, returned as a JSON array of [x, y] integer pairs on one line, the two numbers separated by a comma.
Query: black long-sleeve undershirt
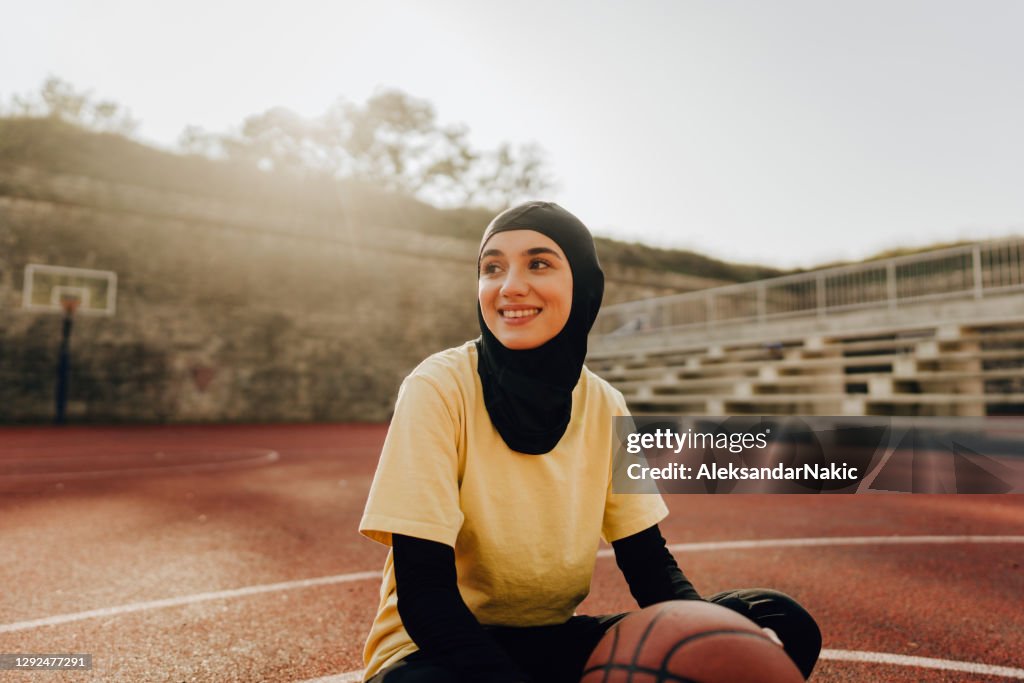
[[650, 570], [437, 618], [442, 626]]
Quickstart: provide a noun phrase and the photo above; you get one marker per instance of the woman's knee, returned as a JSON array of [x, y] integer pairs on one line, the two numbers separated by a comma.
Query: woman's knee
[[773, 609]]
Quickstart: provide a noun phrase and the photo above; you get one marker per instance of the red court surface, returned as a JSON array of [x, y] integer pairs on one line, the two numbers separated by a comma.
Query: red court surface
[[230, 553]]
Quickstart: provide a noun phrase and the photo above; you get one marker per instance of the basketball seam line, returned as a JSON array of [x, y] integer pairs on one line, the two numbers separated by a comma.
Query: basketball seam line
[[663, 676], [646, 633], [698, 636], [611, 657], [662, 672]]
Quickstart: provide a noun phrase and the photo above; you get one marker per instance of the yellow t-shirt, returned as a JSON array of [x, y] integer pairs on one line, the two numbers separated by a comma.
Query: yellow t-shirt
[[525, 528]]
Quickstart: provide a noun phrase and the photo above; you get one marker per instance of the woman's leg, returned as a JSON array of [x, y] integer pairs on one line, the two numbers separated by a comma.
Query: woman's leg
[[548, 654], [771, 609], [554, 654], [415, 669]]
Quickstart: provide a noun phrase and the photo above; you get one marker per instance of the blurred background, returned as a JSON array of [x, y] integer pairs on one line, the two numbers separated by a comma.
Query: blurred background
[[272, 213]]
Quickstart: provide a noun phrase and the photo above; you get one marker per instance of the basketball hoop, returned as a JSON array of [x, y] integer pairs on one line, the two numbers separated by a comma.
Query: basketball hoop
[[70, 304], [71, 291], [48, 288]]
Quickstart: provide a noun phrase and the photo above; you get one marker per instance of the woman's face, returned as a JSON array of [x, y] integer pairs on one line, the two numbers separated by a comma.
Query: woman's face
[[525, 288]]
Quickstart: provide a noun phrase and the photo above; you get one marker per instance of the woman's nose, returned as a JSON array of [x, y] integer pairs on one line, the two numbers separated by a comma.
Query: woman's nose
[[515, 283]]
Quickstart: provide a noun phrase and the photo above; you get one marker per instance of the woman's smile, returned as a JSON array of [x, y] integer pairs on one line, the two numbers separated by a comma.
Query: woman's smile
[[516, 315]]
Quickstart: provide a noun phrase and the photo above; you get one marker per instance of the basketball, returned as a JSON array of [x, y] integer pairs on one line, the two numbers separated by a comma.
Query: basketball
[[688, 642]]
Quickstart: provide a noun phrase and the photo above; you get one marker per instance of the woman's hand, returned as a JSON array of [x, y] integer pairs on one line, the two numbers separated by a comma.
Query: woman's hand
[[773, 635]]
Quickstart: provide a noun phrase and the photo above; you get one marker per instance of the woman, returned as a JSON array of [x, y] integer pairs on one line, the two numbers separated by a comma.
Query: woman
[[494, 485]]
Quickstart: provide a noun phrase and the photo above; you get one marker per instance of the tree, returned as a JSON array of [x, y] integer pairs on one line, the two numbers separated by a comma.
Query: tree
[[505, 176], [59, 99], [393, 140]]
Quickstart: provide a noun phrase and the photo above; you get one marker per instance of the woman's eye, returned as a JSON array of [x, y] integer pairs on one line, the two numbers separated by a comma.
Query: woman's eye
[[489, 268], [539, 264]]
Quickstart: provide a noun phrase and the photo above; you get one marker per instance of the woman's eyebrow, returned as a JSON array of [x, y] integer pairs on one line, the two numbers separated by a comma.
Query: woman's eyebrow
[[542, 250], [529, 252]]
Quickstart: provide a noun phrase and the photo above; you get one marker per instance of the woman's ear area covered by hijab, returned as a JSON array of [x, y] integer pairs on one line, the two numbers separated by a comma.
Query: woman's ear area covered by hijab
[[528, 390]]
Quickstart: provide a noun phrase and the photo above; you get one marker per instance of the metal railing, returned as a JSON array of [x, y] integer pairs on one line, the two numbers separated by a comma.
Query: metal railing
[[971, 271]]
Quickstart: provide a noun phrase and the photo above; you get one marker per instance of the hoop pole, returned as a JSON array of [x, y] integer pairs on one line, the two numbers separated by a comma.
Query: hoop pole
[[64, 367]]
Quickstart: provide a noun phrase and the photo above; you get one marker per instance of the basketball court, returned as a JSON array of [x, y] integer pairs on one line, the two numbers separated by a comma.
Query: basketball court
[[230, 553]]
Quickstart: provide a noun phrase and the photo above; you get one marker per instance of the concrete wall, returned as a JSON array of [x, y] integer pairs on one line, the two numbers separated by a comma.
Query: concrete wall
[[227, 311]]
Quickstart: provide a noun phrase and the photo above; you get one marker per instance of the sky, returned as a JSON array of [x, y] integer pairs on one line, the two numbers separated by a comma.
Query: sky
[[788, 133]]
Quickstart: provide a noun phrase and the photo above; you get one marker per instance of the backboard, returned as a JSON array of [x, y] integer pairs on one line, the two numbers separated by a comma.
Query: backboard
[[52, 288]]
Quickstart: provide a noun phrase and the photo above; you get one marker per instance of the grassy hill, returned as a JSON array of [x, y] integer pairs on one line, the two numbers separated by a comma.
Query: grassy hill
[[60, 147]]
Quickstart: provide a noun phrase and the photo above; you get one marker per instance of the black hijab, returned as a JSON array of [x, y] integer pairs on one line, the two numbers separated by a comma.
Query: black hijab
[[528, 393]]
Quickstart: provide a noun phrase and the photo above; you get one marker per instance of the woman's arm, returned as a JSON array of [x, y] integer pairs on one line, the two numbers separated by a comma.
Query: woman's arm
[[436, 617], [650, 570]]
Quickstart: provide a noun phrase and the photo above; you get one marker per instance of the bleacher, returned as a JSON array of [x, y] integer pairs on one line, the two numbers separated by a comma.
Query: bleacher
[[937, 333]]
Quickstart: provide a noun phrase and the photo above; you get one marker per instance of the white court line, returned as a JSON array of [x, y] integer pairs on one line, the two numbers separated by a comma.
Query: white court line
[[827, 541], [833, 655], [347, 677], [907, 660], [838, 540], [360, 576], [186, 600]]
